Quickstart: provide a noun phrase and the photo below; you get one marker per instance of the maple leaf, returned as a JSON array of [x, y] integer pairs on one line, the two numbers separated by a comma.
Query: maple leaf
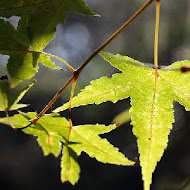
[[151, 99], [36, 28], [44, 16], [16, 44], [70, 168], [52, 130], [8, 101]]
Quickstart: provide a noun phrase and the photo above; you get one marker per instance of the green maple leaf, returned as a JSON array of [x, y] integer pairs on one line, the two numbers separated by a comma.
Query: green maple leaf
[[22, 63], [53, 130], [85, 138], [70, 168], [151, 99], [9, 101], [45, 16], [50, 130], [34, 31]]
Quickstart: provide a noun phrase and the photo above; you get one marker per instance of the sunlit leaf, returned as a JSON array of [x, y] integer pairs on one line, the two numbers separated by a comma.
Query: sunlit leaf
[[52, 131], [151, 99], [22, 64], [9, 101], [88, 141], [70, 168]]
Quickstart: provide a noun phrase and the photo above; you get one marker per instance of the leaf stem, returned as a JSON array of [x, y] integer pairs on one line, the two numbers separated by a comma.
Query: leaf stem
[[55, 57], [156, 36], [74, 82]]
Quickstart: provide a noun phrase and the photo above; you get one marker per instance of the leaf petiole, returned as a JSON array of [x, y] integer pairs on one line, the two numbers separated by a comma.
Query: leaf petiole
[[55, 57], [156, 36]]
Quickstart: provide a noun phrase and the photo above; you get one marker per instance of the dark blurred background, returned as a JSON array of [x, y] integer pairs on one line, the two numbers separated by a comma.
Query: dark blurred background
[[22, 164]]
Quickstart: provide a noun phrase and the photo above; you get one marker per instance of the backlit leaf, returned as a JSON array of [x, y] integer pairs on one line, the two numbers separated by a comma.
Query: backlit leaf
[[45, 16], [9, 101], [52, 131], [70, 168], [88, 141], [22, 63], [151, 99]]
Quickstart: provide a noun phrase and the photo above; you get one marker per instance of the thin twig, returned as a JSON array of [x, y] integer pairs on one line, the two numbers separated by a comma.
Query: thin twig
[[115, 34], [52, 101]]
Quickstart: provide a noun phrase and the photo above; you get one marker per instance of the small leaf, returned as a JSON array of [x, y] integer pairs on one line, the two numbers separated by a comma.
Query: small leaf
[[51, 130], [88, 141], [9, 101], [46, 61], [18, 121], [22, 63], [70, 168], [4, 93], [15, 98], [50, 143]]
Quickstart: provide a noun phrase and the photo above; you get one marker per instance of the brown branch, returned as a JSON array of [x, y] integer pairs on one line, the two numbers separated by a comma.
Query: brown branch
[[52, 101], [115, 34]]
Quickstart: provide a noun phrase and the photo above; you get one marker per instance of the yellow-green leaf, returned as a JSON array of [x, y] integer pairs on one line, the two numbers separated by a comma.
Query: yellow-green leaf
[[152, 100], [50, 131], [53, 131], [8, 101], [22, 63], [88, 141], [70, 168]]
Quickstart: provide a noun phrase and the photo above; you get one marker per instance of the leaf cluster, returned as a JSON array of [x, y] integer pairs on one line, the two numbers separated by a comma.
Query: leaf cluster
[[152, 92], [53, 131], [24, 44]]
